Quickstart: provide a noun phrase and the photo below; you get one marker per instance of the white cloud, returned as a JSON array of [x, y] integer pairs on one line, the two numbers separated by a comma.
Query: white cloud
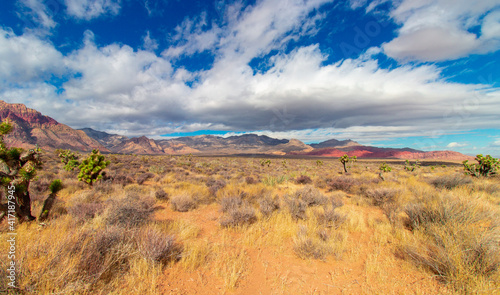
[[491, 26], [27, 58], [150, 44], [456, 144], [438, 30], [495, 143], [89, 9], [37, 15]]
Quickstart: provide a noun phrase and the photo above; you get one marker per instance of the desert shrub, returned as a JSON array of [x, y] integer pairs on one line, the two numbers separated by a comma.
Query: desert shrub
[[84, 211], [296, 207], [250, 180], [130, 211], [123, 179], [104, 254], [323, 234], [450, 181], [143, 177], [161, 195], [182, 203], [321, 182], [336, 202], [490, 188], [156, 169], [237, 216], [330, 218], [159, 247], [215, 185], [103, 188], [306, 247], [311, 196], [303, 179], [229, 203], [342, 183], [381, 196], [458, 240], [268, 205]]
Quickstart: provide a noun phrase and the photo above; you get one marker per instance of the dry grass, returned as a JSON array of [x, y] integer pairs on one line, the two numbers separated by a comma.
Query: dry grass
[[121, 237], [456, 238], [183, 202]]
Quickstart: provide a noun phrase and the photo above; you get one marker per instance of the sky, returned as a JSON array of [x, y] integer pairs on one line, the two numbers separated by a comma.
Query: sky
[[422, 74]]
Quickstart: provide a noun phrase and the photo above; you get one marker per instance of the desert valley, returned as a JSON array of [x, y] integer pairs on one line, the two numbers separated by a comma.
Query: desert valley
[[248, 215], [248, 147]]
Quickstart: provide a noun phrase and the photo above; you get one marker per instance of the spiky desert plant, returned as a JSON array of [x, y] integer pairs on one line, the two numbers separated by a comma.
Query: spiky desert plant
[[92, 167], [17, 168], [486, 166], [345, 160], [384, 167], [265, 162], [68, 158], [411, 167]]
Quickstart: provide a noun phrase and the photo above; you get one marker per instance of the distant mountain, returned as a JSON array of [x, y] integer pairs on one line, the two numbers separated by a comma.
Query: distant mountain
[[106, 139], [387, 153], [247, 143], [333, 143], [32, 128]]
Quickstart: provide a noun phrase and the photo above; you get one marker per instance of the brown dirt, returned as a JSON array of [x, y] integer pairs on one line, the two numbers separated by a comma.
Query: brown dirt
[[274, 270]]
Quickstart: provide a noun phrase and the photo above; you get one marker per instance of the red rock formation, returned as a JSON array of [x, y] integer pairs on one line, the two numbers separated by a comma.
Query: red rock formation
[[32, 128]]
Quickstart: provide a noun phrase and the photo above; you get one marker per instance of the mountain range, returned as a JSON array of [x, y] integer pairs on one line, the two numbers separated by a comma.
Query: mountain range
[[33, 128]]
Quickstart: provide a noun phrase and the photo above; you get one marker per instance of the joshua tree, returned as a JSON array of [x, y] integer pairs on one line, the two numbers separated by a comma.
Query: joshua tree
[[486, 166], [345, 160], [17, 168], [91, 168], [69, 159]]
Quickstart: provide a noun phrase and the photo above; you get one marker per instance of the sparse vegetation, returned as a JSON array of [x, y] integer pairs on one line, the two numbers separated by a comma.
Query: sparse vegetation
[[215, 221]]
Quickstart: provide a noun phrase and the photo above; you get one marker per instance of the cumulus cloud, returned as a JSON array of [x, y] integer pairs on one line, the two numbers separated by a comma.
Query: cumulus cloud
[[27, 58], [438, 30], [120, 89], [89, 9]]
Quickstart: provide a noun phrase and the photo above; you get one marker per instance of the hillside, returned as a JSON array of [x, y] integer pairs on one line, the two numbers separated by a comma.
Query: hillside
[[31, 128]]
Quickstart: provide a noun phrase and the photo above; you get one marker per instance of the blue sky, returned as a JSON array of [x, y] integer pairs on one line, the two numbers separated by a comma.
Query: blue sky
[[422, 74]]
